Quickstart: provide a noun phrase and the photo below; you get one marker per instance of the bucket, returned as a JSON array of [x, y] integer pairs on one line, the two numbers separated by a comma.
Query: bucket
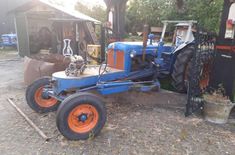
[[216, 112]]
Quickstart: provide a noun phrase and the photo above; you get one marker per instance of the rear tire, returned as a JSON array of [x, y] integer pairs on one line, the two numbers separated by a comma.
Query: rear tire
[[181, 69], [81, 116], [35, 100]]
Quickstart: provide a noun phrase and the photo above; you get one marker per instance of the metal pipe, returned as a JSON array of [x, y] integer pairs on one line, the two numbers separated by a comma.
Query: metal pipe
[[163, 32], [189, 32], [179, 21], [115, 84]]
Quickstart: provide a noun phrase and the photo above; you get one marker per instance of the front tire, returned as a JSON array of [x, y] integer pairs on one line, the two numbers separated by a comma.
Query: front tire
[[81, 116], [36, 101]]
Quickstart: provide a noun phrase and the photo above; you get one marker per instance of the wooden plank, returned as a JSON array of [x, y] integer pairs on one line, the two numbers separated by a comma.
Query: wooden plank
[[22, 34]]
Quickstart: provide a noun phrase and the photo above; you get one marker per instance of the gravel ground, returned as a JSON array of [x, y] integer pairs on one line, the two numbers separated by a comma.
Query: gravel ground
[[138, 123]]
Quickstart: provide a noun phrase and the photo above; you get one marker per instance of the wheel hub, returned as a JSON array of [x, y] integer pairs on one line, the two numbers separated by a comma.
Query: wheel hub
[[43, 99], [82, 117], [45, 95]]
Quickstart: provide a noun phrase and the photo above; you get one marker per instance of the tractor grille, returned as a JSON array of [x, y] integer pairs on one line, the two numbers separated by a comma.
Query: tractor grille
[[116, 59]]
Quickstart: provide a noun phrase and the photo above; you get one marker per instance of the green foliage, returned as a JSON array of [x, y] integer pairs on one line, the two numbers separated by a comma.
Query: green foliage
[[217, 96], [140, 12], [152, 12], [206, 12], [97, 11]]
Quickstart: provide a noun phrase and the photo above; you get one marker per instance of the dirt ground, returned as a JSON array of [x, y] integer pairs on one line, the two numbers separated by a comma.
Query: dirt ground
[[138, 123]]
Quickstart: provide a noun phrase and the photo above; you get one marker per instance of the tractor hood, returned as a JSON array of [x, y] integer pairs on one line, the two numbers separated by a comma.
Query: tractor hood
[[133, 46]]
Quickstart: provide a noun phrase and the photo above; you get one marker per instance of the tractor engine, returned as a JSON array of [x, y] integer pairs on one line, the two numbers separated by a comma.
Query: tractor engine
[[127, 56], [76, 67]]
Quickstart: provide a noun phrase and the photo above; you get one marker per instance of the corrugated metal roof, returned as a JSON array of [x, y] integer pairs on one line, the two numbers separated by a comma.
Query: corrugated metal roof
[[71, 11]]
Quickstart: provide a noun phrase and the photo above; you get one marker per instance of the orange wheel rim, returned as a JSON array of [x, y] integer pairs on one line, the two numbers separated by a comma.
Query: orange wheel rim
[[205, 76], [83, 118], [45, 103]]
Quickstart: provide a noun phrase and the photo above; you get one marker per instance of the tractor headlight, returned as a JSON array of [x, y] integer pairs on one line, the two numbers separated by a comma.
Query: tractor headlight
[[133, 53]]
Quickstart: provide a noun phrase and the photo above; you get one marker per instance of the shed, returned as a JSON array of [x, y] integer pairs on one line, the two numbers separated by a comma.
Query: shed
[[7, 21], [44, 24]]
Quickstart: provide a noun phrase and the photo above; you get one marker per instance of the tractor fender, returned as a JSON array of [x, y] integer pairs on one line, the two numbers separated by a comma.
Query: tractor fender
[[177, 52], [180, 47]]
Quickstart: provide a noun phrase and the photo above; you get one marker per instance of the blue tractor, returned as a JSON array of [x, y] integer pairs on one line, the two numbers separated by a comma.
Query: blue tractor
[[128, 66]]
